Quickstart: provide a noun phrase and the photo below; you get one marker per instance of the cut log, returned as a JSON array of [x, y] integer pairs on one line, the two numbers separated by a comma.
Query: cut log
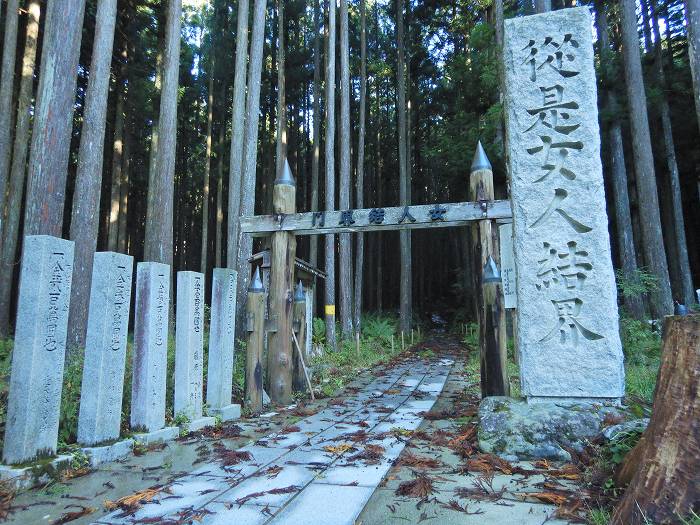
[[666, 486]]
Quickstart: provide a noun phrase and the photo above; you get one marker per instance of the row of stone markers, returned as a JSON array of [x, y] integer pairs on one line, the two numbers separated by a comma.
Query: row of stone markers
[[40, 344]]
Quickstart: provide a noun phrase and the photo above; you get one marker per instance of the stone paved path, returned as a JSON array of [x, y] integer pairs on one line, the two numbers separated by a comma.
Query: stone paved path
[[299, 477]]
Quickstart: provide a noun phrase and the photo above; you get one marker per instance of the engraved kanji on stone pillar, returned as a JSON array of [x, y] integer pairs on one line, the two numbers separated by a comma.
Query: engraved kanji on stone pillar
[[567, 300]]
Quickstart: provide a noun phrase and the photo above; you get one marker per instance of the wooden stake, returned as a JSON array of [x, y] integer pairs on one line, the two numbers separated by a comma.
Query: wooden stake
[[254, 349], [280, 352], [392, 343], [403, 346], [488, 297], [357, 343], [303, 366], [412, 336]]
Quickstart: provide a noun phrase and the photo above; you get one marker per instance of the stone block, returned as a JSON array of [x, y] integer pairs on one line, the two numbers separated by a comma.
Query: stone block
[[109, 453], [567, 314], [36, 379], [162, 434], [221, 338], [227, 413], [189, 345], [515, 430], [202, 422], [105, 348], [150, 346], [40, 473]]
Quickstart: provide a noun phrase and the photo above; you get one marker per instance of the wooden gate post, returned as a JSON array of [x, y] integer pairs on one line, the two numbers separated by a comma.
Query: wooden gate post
[[489, 301], [279, 357], [254, 351], [299, 380]]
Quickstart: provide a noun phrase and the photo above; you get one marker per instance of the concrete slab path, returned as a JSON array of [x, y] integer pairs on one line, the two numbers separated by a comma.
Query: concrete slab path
[[344, 464], [304, 475]]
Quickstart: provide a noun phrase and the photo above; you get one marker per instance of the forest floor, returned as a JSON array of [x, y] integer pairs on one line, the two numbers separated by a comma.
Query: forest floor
[[398, 445]]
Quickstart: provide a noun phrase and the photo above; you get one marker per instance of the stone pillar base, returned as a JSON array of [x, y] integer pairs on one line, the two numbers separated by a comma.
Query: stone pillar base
[[113, 452], [164, 434], [227, 413], [33, 475], [202, 422], [515, 429]]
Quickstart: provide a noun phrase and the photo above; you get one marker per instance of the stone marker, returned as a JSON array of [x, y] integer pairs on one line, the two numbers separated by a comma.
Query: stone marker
[[567, 300], [150, 350], [505, 234], [105, 348], [40, 343], [221, 344], [189, 349]]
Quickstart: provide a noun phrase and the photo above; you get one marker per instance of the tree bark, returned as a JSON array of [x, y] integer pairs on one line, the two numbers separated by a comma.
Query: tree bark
[[158, 246], [692, 16], [250, 152], [123, 238], [316, 155], [158, 85], [207, 171], [218, 244], [681, 262], [281, 144], [666, 485], [618, 170], [237, 129], [542, 6], [345, 262], [10, 232], [7, 82], [653, 243], [53, 119], [330, 176], [88, 185], [404, 183], [117, 158], [360, 203]]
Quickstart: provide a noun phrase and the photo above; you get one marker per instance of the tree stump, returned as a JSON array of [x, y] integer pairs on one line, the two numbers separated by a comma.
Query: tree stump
[[666, 486]]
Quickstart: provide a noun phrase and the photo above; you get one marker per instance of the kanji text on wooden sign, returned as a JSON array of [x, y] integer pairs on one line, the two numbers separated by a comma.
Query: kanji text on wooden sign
[[376, 219]]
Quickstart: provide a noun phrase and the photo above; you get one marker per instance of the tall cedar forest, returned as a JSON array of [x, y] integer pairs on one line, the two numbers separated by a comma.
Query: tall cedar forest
[[150, 126]]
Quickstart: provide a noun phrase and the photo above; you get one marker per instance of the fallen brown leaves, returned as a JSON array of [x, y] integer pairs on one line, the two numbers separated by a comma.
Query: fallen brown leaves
[[220, 432], [454, 505], [358, 436], [489, 463], [229, 457], [338, 449], [71, 473], [133, 502], [255, 495], [420, 487], [303, 411], [7, 494], [290, 429], [370, 455], [408, 459], [67, 517]]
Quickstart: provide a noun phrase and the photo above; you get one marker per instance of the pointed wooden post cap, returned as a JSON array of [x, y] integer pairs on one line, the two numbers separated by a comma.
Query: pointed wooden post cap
[[286, 177], [256, 285], [481, 161], [299, 296]]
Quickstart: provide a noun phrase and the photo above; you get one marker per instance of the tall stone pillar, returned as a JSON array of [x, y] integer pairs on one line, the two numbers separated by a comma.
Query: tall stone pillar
[[567, 300]]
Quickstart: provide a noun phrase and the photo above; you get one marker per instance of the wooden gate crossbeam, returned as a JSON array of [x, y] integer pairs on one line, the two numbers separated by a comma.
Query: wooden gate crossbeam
[[377, 219]]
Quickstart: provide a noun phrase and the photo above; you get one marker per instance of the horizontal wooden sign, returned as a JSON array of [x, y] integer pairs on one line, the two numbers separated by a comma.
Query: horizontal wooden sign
[[377, 219]]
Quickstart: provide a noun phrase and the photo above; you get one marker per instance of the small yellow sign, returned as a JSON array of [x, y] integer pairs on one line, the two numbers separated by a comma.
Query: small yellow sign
[[330, 309]]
